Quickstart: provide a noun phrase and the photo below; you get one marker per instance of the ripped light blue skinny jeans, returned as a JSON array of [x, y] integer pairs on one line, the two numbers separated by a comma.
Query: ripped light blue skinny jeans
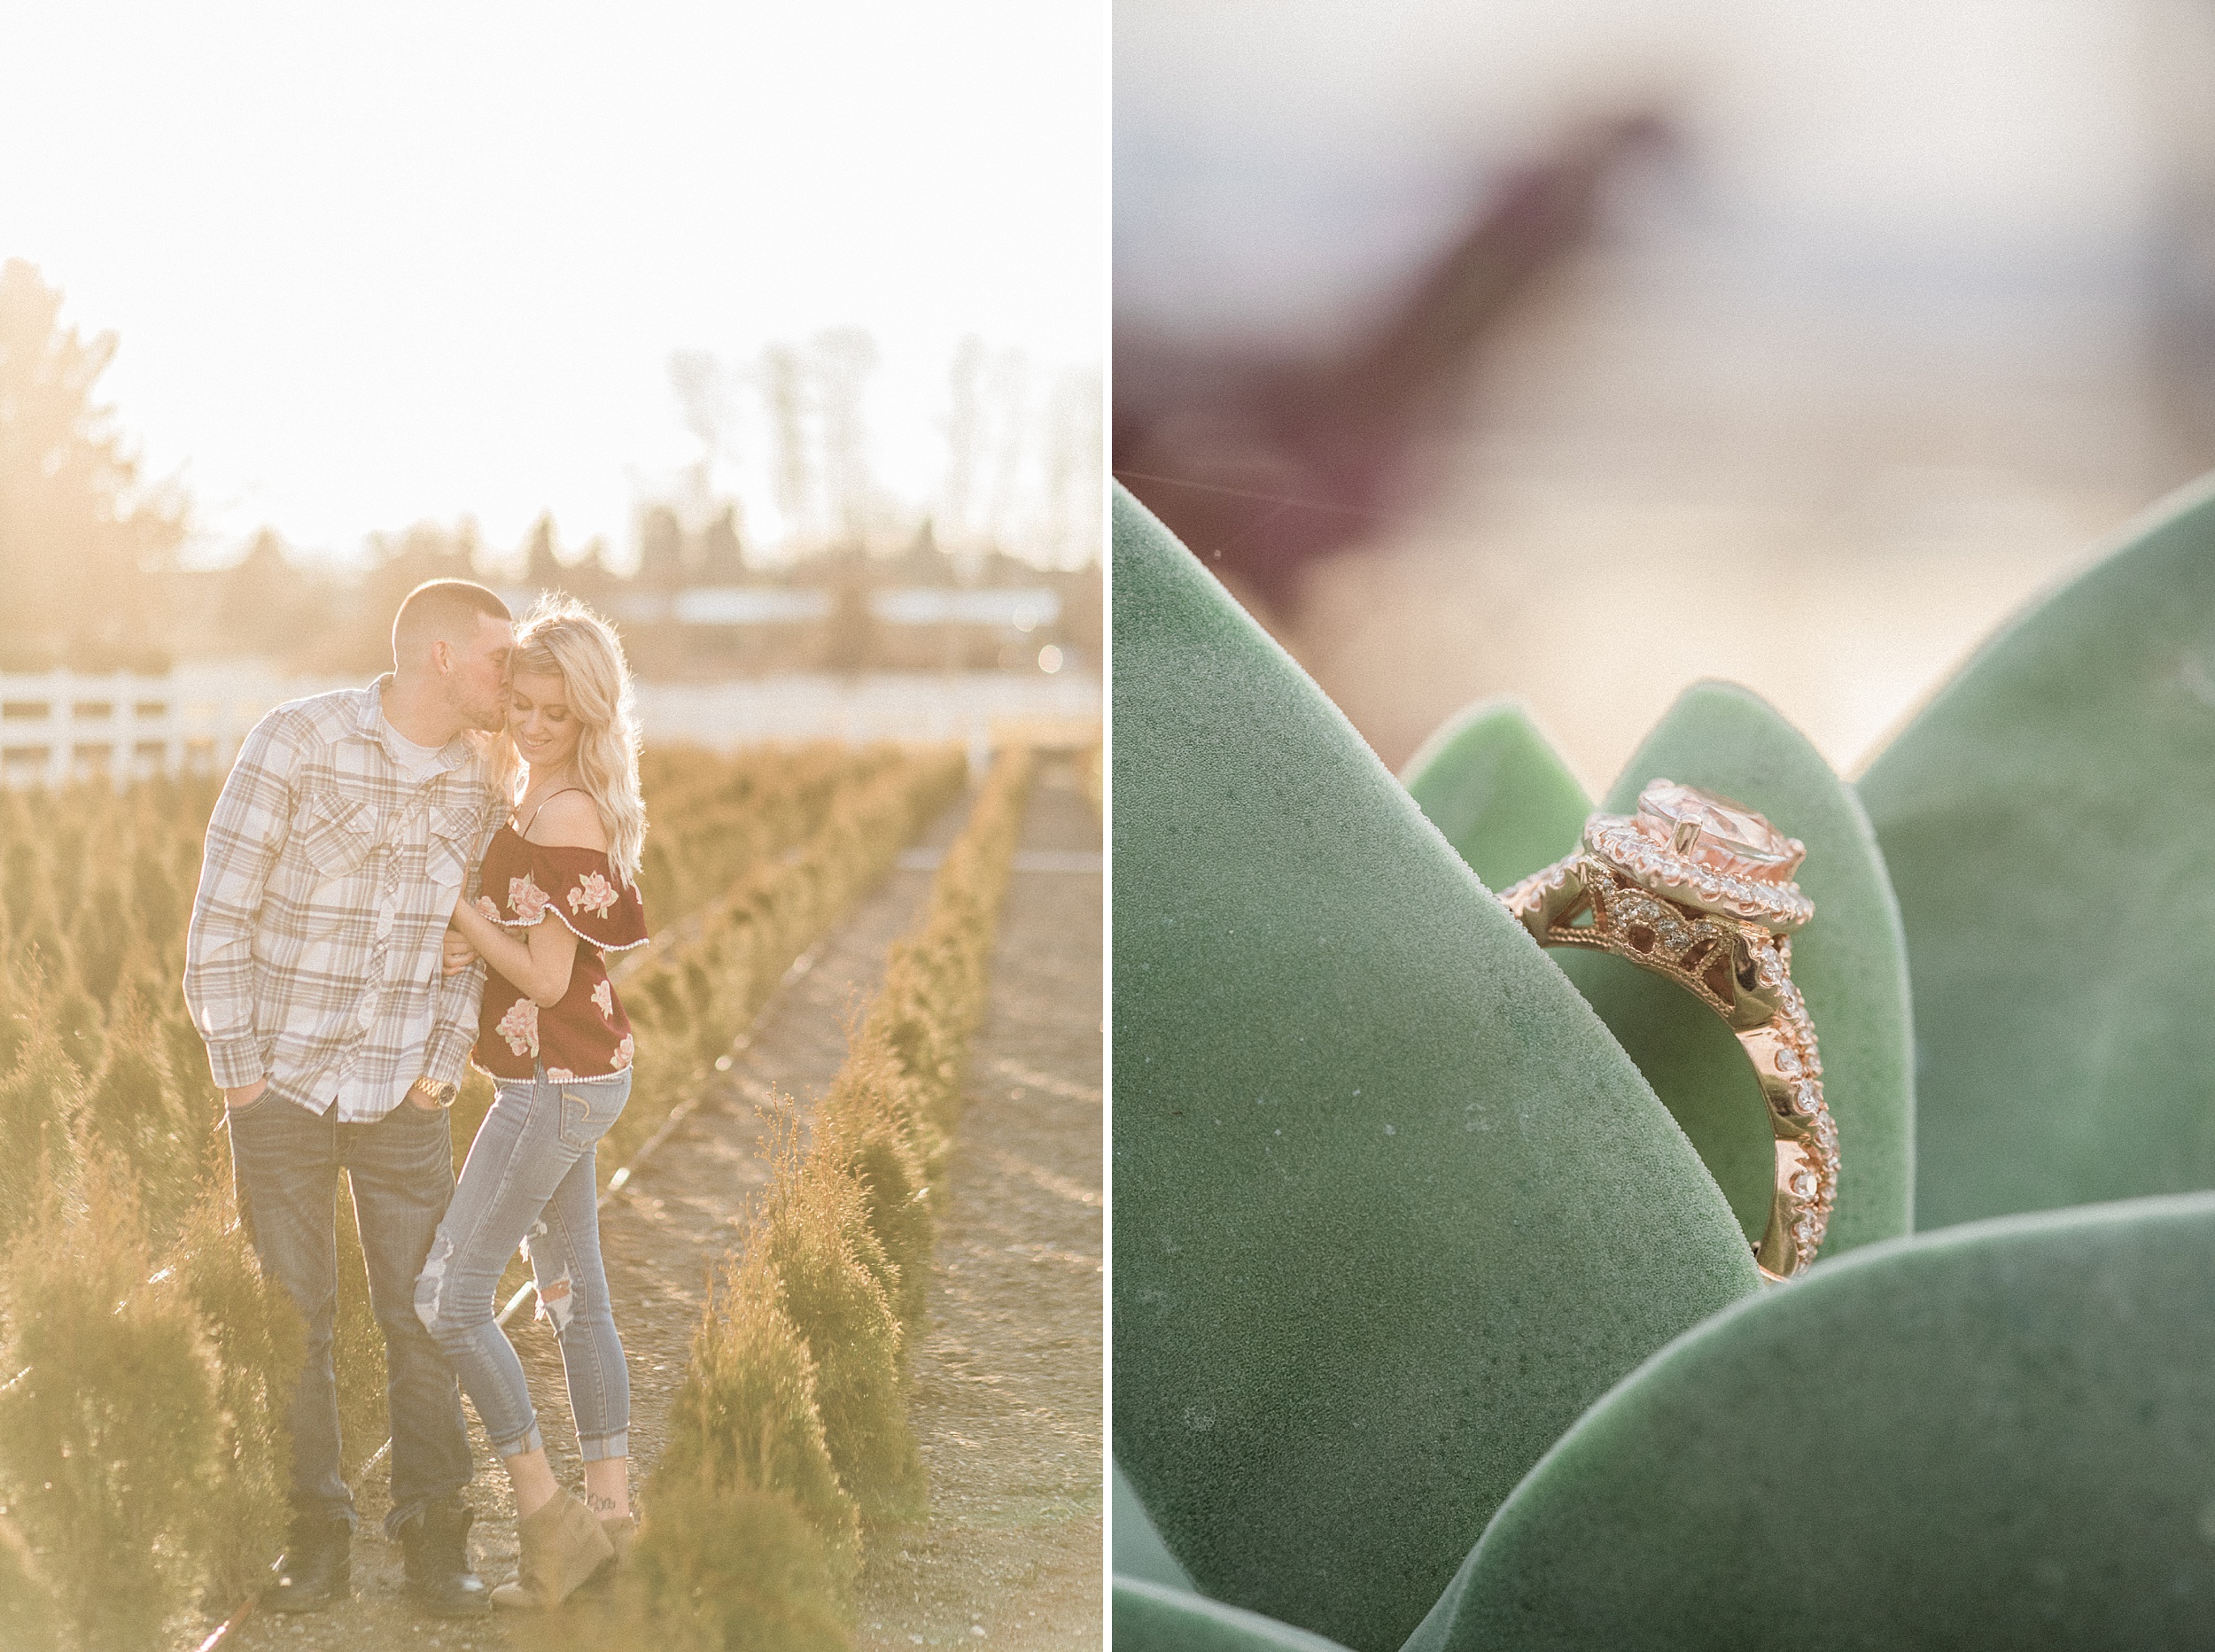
[[531, 1180]]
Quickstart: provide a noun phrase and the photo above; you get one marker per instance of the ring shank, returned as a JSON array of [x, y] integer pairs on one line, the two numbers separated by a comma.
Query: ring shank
[[1742, 974]]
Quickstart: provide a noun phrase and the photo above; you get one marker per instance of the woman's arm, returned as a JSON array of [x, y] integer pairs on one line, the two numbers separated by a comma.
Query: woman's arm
[[537, 963], [540, 964]]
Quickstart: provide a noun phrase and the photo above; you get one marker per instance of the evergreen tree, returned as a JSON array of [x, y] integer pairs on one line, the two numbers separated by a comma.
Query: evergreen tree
[[542, 568], [661, 550], [722, 559], [79, 530], [264, 600]]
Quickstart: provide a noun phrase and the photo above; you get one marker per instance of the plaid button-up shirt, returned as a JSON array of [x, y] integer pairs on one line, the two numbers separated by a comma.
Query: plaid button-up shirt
[[312, 959]]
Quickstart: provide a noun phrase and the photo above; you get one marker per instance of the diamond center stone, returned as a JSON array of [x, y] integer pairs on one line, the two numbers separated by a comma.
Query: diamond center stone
[[1731, 836]]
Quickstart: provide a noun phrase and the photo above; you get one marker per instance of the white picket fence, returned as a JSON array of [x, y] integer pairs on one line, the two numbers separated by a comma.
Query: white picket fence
[[61, 725]]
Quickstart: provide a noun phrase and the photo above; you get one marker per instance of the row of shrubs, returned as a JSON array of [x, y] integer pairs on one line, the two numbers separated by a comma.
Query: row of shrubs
[[143, 1359], [688, 994], [789, 1437], [717, 818]]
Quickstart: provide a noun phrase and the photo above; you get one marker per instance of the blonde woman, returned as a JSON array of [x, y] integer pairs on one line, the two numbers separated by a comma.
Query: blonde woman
[[560, 890]]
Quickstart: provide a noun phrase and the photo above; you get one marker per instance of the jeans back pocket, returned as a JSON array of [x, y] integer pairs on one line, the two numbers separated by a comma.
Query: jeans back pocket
[[588, 1110]]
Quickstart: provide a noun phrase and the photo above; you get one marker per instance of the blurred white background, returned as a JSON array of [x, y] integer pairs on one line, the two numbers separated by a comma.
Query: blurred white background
[[1893, 314]]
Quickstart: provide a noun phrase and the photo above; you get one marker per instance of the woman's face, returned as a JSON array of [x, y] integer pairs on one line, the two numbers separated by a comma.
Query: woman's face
[[540, 720]]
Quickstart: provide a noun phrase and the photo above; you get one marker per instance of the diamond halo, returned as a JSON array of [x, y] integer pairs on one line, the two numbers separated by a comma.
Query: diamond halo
[[1706, 851]]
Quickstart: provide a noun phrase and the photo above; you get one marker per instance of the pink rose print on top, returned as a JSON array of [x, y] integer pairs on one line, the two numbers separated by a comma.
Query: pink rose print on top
[[528, 900], [621, 1059], [489, 907], [561, 1075], [604, 995], [520, 1027], [593, 894]]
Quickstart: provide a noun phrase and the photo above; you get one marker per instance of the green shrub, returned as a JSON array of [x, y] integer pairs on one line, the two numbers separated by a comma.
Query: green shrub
[[746, 1415], [834, 1277], [867, 1129], [731, 1568], [107, 1442], [134, 1109], [257, 1336], [29, 1620], [41, 1099]]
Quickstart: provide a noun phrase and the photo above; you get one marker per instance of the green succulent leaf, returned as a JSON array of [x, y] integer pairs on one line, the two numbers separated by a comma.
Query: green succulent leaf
[[1391, 1207], [2046, 820], [1497, 789], [1149, 1617], [2002, 1435], [1140, 1552], [1850, 964]]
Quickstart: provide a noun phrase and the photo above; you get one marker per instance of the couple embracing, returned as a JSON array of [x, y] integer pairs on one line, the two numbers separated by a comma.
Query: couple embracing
[[399, 879]]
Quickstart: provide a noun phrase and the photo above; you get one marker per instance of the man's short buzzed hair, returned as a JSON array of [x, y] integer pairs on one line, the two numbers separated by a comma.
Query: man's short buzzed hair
[[442, 610]]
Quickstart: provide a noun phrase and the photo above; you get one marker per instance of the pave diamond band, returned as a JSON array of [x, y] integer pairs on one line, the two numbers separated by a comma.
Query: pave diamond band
[[1696, 889]]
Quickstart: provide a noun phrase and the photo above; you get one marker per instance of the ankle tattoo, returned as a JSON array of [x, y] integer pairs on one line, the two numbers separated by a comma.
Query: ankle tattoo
[[598, 1504]]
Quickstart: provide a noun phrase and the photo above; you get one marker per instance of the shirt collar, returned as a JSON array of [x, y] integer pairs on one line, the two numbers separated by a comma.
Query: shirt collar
[[372, 725]]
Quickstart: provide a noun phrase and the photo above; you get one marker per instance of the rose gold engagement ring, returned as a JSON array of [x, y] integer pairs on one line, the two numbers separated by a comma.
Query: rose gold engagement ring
[[1699, 889]]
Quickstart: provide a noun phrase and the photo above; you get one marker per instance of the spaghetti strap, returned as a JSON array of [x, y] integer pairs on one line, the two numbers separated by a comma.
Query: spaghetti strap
[[524, 832]]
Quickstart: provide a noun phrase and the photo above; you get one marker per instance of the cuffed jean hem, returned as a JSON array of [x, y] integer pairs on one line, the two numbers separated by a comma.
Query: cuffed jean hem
[[529, 1440], [606, 1446]]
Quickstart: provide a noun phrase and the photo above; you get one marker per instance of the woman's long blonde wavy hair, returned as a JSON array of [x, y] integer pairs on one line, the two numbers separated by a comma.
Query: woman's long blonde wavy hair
[[561, 636]]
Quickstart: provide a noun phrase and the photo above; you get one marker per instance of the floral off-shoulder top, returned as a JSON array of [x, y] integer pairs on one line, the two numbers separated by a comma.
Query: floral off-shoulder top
[[586, 1034]]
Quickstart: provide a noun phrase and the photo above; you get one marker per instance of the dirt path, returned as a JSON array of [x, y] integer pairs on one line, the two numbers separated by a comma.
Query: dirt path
[[1007, 1375], [1007, 1402]]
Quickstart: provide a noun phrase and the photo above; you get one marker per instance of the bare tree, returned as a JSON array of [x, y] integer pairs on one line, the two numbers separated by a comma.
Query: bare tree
[[964, 438], [843, 359], [1074, 462], [782, 378], [702, 388], [1008, 389]]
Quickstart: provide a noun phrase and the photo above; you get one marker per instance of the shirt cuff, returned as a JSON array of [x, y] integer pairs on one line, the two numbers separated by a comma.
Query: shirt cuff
[[446, 1059], [235, 1062]]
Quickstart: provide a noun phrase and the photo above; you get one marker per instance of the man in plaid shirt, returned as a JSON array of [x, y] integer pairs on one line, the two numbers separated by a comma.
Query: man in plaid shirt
[[348, 826]]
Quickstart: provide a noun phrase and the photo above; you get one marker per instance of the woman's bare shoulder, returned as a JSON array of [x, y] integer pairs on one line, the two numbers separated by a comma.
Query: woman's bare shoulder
[[570, 820]]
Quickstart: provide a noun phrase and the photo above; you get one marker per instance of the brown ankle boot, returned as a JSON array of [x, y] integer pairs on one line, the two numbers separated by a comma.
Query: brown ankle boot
[[562, 1546], [621, 1529]]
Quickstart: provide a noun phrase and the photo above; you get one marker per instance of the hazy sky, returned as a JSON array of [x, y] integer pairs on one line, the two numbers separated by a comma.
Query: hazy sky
[[374, 265]]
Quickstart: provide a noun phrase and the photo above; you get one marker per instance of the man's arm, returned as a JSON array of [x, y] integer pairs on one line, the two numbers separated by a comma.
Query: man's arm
[[246, 835]]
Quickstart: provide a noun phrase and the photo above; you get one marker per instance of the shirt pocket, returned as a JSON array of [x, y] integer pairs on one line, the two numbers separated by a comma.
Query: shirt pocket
[[453, 835], [336, 833]]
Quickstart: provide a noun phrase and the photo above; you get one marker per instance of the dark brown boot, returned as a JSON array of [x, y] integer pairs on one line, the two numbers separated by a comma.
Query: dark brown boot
[[436, 1539], [315, 1568]]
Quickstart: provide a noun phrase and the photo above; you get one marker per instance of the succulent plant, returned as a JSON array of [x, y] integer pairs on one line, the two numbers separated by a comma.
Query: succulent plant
[[1435, 1320]]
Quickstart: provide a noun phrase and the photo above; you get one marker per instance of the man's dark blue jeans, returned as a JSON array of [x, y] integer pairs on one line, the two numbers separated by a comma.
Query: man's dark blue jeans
[[287, 1161]]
